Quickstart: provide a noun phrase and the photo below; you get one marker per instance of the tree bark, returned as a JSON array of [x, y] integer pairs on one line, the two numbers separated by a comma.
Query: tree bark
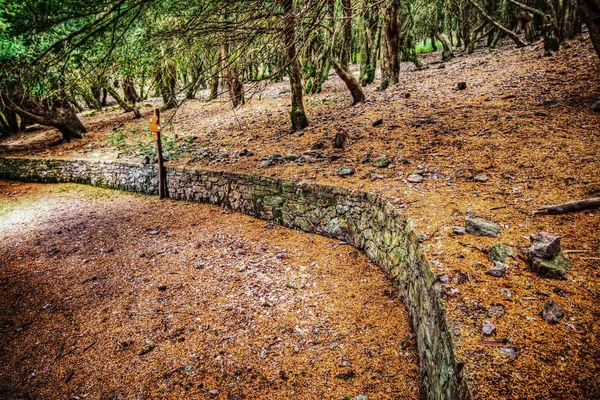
[[232, 78], [506, 31], [122, 103], [63, 119], [370, 49], [391, 72], [341, 66], [214, 81], [166, 81], [297, 114], [590, 13]]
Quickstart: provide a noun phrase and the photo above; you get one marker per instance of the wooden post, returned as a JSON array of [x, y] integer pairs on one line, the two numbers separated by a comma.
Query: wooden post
[[162, 173]]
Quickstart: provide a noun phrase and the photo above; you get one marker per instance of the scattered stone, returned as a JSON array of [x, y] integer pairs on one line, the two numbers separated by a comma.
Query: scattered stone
[[374, 177], [496, 311], [481, 227], [488, 328], [461, 86], [94, 277], [415, 178], [556, 267], [498, 270], [161, 287], [318, 146], [458, 230], [506, 292], [596, 106], [146, 160], [544, 245], [545, 257], [501, 252], [552, 312], [345, 171], [291, 157], [214, 392], [153, 233], [381, 162], [560, 291], [480, 178], [266, 163], [339, 140], [378, 122], [245, 153]]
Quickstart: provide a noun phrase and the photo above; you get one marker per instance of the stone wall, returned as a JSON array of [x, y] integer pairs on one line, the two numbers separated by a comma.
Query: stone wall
[[364, 220]]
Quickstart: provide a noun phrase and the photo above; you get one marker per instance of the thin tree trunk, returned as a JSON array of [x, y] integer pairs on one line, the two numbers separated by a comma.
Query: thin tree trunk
[[297, 114], [368, 59], [508, 32], [231, 78], [122, 103]]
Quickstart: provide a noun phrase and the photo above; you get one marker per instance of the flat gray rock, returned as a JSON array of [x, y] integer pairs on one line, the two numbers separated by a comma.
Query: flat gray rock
[[345, 171], [481, 227]]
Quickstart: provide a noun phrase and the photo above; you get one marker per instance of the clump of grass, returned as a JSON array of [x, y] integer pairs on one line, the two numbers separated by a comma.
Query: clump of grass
[[427, 47]]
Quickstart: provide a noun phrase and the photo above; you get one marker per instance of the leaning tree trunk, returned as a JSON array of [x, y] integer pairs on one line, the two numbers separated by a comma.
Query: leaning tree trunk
[[590, 13], [391, 73], [498, 26], [62, 118], [297, 114], [447, 52], [122, 102], [341, 66], [232, 78]]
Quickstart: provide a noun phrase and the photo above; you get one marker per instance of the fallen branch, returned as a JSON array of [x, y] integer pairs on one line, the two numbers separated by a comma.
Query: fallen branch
[[580, 205]]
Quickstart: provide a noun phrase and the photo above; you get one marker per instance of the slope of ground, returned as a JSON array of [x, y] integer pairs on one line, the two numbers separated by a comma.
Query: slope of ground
[[111, 295], [520, 136]]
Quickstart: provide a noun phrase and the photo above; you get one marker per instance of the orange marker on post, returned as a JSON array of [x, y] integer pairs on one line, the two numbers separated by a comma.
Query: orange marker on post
[[154, 127]]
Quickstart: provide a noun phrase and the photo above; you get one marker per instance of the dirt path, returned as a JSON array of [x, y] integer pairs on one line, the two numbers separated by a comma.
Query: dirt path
[[112, 295]]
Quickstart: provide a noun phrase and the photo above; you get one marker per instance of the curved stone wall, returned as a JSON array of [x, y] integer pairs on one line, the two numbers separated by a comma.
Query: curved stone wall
[[364, 220]]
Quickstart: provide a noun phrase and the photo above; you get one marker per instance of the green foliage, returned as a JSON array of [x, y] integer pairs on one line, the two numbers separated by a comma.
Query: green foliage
[[427, 48]]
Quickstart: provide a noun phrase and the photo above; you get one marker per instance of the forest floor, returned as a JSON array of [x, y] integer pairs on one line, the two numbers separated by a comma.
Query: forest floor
[[115, 295], [521, 136]]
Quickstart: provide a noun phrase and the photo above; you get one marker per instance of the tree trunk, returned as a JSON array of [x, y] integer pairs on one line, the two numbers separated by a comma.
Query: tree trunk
[[214, 81], [341, 66], [506, 31], [358, 96], [62, 118], [391, 74], [122, 103], [370, 48], [232, 78], [8, 122], [297, 114], [129, 90], [447, 52], [166, 81], [590, 13]]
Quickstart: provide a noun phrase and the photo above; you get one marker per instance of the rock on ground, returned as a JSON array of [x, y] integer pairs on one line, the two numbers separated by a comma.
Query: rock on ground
[[552, 312], [481, 227], [500, 252]]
